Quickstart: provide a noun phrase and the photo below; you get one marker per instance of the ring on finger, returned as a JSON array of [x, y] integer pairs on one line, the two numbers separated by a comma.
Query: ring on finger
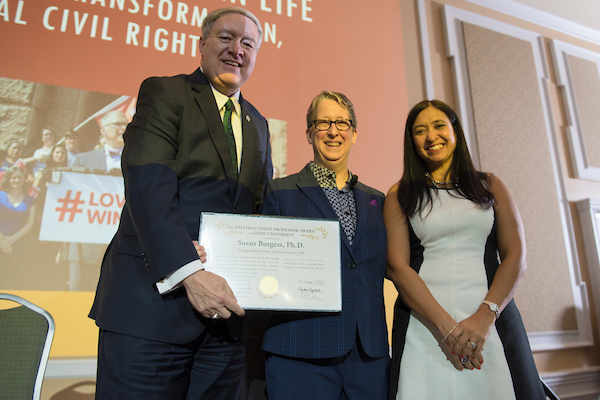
[[465, 359], [215, 316], [473, 344]]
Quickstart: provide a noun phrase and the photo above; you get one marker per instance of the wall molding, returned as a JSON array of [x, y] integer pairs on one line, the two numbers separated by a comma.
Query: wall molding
[[560, 51], [455, 50], [575, 384], [589, 215], [71, 368], [542, 18], [425, 50], [508, 7]]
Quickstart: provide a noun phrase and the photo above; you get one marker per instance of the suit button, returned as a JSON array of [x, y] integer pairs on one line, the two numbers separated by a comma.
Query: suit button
[[146, 262], [352, 265]]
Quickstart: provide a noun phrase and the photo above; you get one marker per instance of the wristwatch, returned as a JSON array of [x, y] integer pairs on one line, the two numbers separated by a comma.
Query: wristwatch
[[493, 307]]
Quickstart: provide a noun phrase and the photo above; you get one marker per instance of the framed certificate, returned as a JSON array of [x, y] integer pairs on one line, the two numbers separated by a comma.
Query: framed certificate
[[275, 263]]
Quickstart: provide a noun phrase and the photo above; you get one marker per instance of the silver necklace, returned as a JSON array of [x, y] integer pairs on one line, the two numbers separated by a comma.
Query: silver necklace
[[436, 183]]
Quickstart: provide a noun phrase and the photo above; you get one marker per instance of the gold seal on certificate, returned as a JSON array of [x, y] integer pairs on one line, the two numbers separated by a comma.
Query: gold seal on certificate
[[269, 285], [275, 263]]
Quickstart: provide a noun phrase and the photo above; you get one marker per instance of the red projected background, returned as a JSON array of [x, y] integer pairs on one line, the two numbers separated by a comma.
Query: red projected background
[[65, 60]]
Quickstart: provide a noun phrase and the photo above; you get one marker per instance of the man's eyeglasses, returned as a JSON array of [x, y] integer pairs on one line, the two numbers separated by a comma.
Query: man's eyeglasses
[[325, 124], [118, 125]]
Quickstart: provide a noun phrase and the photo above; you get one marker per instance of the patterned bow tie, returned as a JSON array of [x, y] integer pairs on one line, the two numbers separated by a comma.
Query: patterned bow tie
[[115, 153]]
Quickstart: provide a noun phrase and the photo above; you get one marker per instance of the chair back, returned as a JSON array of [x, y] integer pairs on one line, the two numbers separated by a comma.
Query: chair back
[[26, 334], [550, 395]]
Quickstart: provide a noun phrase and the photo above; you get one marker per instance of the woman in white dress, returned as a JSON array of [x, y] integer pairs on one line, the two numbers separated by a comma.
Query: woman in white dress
[[456, 253]]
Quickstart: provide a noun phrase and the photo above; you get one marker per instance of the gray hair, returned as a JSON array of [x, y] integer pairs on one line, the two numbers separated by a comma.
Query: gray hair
[[109, 116], [338, 97], [210, 19]]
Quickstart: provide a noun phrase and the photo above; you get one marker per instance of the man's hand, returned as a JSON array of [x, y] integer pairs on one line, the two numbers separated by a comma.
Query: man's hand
[[210, 294], [200, 250]]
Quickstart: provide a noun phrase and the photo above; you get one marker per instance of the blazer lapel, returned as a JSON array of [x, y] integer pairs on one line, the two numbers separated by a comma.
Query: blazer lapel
[[308, 184], [361, 199], [100, 159]]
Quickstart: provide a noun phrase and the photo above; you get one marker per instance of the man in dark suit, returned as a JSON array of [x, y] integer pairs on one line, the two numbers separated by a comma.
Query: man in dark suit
[[333, 355], [165, 326], [83, 258], [72, 145], [107, 158]]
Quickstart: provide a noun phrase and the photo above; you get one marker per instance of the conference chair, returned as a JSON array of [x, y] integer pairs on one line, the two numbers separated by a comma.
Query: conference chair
[[26, 333], [550, 395]]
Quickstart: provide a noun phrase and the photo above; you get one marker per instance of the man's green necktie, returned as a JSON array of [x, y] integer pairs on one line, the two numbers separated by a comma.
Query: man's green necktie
[[229, 131]]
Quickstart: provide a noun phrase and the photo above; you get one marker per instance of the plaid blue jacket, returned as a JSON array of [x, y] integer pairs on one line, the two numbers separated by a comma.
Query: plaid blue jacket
[[326, 335]]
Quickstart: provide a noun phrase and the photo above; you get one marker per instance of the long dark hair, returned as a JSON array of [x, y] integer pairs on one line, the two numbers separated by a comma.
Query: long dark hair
[[51, 164], [415, 191]]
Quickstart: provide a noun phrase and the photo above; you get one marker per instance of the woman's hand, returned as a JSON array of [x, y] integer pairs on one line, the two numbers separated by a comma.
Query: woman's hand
[[7, 241], [5, 245], [38, 177], [469, 337], [467, 362]]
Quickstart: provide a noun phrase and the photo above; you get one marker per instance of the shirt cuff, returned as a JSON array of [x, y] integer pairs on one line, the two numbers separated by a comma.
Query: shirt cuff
[[175, 280]]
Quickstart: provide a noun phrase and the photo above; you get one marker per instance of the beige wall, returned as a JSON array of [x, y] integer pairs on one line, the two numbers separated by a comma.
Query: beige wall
[[443, 85]]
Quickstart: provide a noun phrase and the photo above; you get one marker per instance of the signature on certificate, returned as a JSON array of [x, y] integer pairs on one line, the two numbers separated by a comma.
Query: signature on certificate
[[310, 293], [312, 282]]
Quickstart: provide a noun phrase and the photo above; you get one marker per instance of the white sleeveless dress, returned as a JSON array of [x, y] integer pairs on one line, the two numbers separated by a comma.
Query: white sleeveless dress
[[453, 237]]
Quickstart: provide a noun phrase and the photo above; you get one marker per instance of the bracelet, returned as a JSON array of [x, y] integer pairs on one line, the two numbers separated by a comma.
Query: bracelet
[[449, 333]]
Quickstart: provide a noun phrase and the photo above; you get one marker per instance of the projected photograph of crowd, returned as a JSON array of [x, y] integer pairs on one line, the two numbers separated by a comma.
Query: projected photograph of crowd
[[51, 139], [61, 186]]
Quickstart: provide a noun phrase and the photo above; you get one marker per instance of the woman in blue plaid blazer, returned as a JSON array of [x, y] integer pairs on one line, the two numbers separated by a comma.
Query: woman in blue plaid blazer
[[344, 355]]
